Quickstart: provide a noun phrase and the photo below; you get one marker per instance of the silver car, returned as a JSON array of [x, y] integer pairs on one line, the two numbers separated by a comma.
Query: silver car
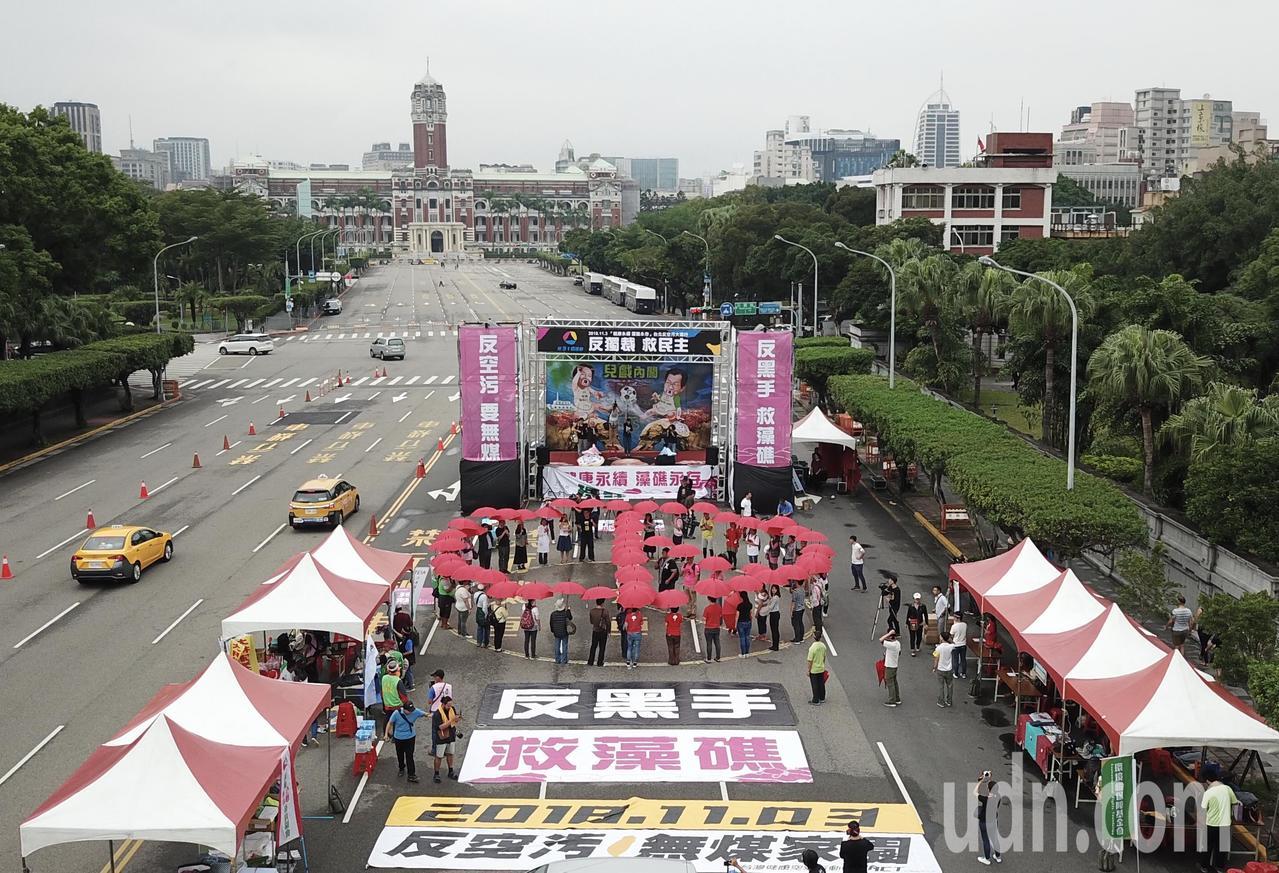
[[387, 348], [247, 344]]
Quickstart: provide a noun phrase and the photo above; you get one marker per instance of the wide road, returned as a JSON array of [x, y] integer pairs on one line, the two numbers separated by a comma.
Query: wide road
[[78, 660]]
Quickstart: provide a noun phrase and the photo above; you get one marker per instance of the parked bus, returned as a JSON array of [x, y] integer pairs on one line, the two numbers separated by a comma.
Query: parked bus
[[641, 299], [593, 284], [613, 290]]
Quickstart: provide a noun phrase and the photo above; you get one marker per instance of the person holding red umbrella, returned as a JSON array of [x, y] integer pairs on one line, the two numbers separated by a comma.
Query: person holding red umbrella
[[633, 626], [732, 536], [674, 632], [712, 621]]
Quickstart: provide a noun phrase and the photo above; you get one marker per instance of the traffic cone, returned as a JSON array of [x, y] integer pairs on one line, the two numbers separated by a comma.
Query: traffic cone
[[282, 412], [253, 431], [5, 572], [347, 379], [89, 523], [421, 468], [440, 446], [143, 494], [453, 429], [226, 443], [308, 395], [373, 525], [195, 465]]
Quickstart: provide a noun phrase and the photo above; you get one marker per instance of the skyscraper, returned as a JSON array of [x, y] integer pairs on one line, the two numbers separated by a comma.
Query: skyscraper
[[188, 155], [937, 132], [84, 120]]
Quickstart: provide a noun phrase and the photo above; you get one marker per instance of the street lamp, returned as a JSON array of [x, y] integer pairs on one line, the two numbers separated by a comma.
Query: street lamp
[[780, 238], [666, 304], [892, 307], [988, 261], [155, 271], [297, 249], [707, 296], [958, 239]]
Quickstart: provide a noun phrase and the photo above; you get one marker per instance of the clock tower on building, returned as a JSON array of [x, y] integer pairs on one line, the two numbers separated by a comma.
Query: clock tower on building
[[430, 117]]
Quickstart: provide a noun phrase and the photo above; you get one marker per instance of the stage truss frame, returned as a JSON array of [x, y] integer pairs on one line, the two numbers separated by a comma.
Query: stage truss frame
[[533, 380]]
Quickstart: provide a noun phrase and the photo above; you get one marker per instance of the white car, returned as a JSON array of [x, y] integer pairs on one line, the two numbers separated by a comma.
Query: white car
[[247, 344]]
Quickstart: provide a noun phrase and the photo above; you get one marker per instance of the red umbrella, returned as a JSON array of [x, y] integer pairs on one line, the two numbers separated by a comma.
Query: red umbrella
[[713, 588], [618, 505], [820, 549], [534, 591], [564, 503], [705, 507], [466, 526], [503, 590], [794, 572], [598, 591], [749, 523], [568, 588], [633, 574], [550, 513], [464, 573], [591, 503], [685, 550], [674, 507], [746, 583], [645, 506], [629, 557], [810, 536], [658, 542], [446, 563], [483, 512], [777, 525], [669, 598], [490, 576], [756, 570], [727, 517], [448, 546], [713, 563], [635, 596]]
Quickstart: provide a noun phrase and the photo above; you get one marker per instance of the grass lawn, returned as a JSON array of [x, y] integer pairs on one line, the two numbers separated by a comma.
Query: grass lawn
[[1009, 409]]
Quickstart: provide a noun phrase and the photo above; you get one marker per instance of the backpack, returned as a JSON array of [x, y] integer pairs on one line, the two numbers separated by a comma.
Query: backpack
[[526, 620]]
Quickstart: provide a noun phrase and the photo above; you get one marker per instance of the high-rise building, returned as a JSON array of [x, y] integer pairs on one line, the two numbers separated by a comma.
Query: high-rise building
[[650, 174], [153, 168], [85, 120], [381, 156], [188, 155], [430, 120], [782, 157], [837, 154], [1172, 130], [566, 158], [1103, 133], [937, 132]]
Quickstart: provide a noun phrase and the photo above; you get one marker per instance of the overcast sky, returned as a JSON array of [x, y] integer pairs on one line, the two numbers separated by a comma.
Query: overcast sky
[[700, 80]]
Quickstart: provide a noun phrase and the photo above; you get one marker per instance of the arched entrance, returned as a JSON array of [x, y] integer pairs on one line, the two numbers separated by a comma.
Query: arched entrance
[[437, 242]]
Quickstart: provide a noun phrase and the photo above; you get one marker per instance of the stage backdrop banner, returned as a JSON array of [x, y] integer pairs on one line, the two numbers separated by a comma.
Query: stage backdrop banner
[[624, 755], [489, 368], [625, 482], [765, 361]]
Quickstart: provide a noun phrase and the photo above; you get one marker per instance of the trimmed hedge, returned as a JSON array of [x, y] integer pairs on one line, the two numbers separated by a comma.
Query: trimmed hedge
[[1117, 467], [808, 342], [1000, 476]]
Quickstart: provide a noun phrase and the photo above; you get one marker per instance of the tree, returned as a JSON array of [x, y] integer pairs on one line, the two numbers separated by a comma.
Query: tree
[[1146, 591], [902, 158], [1246, 626], [982, 297], [1224, 416], [854, 205], [239, 306], [1230, 496], [25, 279], [1147, 370], [815, 364]]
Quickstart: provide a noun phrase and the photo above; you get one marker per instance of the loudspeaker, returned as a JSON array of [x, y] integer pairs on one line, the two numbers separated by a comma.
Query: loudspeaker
[[543, 455], [712, 456]]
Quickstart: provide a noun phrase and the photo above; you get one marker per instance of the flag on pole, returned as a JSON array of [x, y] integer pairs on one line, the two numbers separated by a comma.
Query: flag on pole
[[371, 695], [981, 146], [289, 823]]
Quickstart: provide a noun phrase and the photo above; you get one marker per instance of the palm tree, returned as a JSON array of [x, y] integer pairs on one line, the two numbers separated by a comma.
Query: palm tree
[[1225, 415], [1146, 370], [902, 158], [922, 292], [982, 297], [900, 252], [1039, 311]]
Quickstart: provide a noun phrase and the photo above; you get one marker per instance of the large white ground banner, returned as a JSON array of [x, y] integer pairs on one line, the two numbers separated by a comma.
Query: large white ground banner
[[625, 482], [504, 756]]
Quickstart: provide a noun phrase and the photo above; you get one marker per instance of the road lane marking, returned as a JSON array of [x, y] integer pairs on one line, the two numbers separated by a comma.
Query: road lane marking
[[341, 336], [290, 382], [896, 778], [236, 384], [153, 451], [344, 416], [447, 379], [190, 609], [430, 380], [723, 792], [191, 386], [372, 444], [428, 395], [31, 754], [396, 380], [272, 382], [181, 529], [359, 789], [127, 850], [29, 637], [246, 485], [165, 485], [697, 638], [301, 447], [405, 415], [412, 379], [270, 537], [254, 382], [228, 448], [218, 384], [249, 361], [75, 489], [378, 381], [216, 420], [360, 381], [78, 533], [829, 644], [260, 399], [304, 384]]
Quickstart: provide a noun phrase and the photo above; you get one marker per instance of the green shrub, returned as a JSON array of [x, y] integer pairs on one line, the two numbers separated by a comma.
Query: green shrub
[[1263, 688], [1247, 627], [808, 342], [816, 364], [1230, 496], [1115, 467], [1146, 592]]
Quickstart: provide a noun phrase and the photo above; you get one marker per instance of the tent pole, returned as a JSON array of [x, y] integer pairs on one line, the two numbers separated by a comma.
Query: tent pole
[[25, 868], [111, 853]]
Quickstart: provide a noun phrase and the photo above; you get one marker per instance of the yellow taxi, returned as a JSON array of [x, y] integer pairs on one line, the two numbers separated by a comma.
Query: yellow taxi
[[120, 552], [323, 501]]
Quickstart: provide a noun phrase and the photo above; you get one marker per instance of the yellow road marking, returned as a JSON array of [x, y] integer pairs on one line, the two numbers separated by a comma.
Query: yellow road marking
[[398, 503]]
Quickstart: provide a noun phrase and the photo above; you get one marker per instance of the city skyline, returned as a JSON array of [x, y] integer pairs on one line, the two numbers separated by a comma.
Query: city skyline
[[732, 82]]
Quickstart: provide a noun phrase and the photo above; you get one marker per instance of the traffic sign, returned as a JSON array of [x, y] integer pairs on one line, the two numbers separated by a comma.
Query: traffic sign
[[747, 308], [726, 310], [770, 309], [288, 305]]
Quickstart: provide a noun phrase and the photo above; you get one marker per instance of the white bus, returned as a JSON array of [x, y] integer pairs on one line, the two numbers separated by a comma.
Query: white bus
[[641, 299], [593, 284], [614, 290]]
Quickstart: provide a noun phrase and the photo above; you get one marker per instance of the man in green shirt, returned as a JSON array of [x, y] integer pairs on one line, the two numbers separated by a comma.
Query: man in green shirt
[[817, 671], [393, 691], [1218, 804]]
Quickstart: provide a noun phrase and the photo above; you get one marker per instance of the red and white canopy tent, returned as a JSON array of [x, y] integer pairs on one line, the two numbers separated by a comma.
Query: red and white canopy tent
[[346, 556]]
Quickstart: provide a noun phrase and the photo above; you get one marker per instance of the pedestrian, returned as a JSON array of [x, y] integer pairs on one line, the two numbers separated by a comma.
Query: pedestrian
[[634, 627], [761, 613], [444, 587], [747, 506], [628, 434], [438, 690], [916, 621], [1218, 802], [817, 598], [462, 600], [400, 624], [521, 547], [893, 595], [855, 850], [586, 538], [444, 723], [712, 621], [707, 526], [817, 671], [484, 546], [561, 628], [790, 550], [674, 633], [394, 693], [892, 657], [401, 728], [944, 666], [959, 636], [483, 617], [564, 540], [774, 552], [668, 571], [743, 624], [544, 543], [1181, 621], [689, 523], [502, 537], [677, 530], [620, 620], [408, 648], [797, 607], [785, 509], [732, 536], [752, 546], [984, 790], [650, 531], [498, 624], [775, 617], [857, 562], [941, 607], [600, 624], [530, 623]]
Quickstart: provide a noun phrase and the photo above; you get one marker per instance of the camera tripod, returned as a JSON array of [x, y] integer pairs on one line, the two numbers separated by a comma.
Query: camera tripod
[[892, 623]]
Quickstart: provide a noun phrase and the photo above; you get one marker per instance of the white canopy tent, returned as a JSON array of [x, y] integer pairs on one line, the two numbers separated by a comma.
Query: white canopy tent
[[817, 428]]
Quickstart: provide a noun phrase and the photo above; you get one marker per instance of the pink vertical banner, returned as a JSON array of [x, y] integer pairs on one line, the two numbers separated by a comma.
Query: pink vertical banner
[[489, 369], [765, 361]]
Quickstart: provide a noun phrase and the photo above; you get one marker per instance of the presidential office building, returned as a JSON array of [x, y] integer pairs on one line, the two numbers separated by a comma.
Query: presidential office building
[[433, 209]]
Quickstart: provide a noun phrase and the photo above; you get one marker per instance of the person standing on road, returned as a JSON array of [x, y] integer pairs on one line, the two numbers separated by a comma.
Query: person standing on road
[[944, 666], [674, 633], [634, 627], [892, 657], [586, 538], [775, 617], [941, 607], [712, 621], [564, 540], [752, 546], [893, 602], [732, 536], [561, 626], [1180, 622], [707, 527], [438, 691], [747, 506], [959, 636], [521, 547], [855, 849], [985, 790], [393, 691], [916, 621], [600, 624], [544, 543], [650, 530], [817, 671], [817, 598], [484, 546], [761, 613], [743, 624], [401, 729], [530, 623], [797, 607], [462, 600], [857, 561], [498, 623], [620, 621], [444, 723], [502, 537], [444, 587], [1218, 801], [483, 618]]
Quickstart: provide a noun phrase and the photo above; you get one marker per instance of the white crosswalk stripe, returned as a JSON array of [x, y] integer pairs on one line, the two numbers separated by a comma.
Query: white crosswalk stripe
[[304, 384], [412, 379], [361, 380], [218, 384], [395, 380], [272, 382], [290, 382], [430, 380], [447, 379], [236, 384], [328, 336], [191, 386], [254, 382], [366, 335], [378, 381]]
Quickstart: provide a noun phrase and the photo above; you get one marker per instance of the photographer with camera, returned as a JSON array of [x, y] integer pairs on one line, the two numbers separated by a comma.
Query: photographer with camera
[[890, 598], [985, 790]]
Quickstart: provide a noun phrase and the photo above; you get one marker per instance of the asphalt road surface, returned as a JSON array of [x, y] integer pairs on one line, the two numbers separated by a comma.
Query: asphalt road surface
[[77, 661]]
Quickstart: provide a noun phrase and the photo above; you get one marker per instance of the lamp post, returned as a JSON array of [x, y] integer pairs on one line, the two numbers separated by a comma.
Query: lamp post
[[780, 238], [666, 303], [988, 261], [892, 307], [707, 296], [954, 233], [155, 270], [298, 249]]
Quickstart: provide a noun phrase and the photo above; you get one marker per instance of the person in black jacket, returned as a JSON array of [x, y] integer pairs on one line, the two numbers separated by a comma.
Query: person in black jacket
[[893, 600], [586, 537], [855, 849], [485, 547], [916, 621], [503, 539]]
